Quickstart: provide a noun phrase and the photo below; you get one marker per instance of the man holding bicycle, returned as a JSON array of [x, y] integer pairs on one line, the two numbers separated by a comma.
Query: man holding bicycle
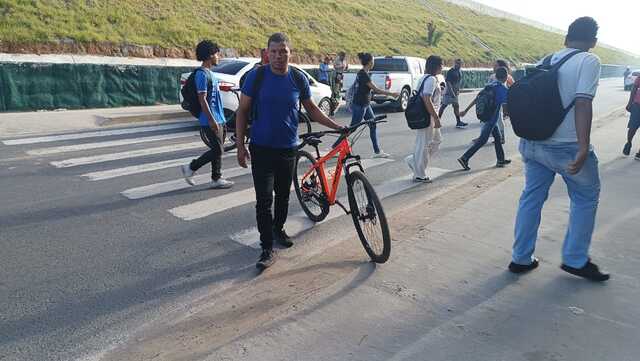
[[274, 139]]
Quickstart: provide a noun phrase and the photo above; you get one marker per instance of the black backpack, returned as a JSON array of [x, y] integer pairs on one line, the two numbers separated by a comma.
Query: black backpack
[[190, 94], [486, 106], [535, 106], [416, 114]]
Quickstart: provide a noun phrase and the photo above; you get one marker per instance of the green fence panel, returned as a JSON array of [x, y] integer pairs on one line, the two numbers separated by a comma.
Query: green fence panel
[[31, 86]]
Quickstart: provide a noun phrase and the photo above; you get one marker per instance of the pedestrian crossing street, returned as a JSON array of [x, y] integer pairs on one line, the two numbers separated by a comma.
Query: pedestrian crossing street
[[94, 156]]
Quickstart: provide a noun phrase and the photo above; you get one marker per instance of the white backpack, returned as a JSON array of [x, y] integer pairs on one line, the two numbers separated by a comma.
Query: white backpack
[[351, 93]]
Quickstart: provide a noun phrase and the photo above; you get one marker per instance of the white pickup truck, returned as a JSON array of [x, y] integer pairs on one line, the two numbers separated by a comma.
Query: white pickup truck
[[397, 74]]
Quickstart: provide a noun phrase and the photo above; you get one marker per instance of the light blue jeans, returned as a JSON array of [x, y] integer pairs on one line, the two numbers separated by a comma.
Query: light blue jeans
[[542, 161], [361, 113]]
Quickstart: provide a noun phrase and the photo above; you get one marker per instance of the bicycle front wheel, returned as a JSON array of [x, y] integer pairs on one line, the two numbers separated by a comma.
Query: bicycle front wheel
[[309, 189], [368, 217]]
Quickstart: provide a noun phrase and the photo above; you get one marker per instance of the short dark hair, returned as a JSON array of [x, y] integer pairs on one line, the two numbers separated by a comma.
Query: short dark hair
[[365, 58], [279, 38], [502, 73], [205, 49], [433, 63], [502, 63], [583, 29]]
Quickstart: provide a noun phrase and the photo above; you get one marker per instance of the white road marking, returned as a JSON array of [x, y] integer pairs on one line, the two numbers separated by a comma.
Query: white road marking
[[299, 222], [222, 203], [112, 143], [141, 168], [179, 184], [101, 133], [73, 162]]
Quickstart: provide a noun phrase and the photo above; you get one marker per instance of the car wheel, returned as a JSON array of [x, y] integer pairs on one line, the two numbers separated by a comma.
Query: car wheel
[[325, 106], [403, 101]]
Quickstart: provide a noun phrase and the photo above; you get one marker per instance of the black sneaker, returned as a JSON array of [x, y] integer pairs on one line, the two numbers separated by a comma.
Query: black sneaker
[[638, 156], [522, 268], [590, 271], [464, 163], [267, 258], [503, 163], [282, 238], [627, 149], [461, 125]]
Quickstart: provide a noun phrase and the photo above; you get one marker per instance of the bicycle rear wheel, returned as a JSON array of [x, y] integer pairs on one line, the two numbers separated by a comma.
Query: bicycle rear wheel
[[368, 217], [309, 189]]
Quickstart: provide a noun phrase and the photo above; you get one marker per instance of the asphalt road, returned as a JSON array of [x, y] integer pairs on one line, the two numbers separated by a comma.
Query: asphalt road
[[93, 245]]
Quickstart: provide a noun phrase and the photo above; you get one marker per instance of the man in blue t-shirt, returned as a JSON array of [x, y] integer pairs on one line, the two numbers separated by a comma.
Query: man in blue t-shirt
[[211, 117], [490, 127], [274, 139]]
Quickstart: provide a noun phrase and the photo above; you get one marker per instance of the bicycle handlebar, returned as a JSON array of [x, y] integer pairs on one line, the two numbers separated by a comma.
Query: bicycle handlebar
[[347, 130]]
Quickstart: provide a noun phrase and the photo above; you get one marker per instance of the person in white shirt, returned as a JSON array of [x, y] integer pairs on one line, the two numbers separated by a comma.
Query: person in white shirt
[[568, 153], [427, 139]]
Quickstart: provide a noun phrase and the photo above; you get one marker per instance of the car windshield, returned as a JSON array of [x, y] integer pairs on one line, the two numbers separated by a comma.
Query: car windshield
[[390, 65], [230, 66], [635, 73]]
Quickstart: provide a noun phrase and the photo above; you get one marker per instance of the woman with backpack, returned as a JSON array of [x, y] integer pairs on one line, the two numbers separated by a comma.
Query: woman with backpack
[[427, 139], [361, 106]]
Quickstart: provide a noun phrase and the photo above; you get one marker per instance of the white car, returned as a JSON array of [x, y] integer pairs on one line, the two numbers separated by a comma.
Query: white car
[[630, 79], [230, 70]]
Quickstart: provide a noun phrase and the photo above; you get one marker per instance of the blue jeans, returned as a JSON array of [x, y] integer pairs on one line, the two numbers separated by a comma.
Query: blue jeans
[[542, 161], [488, 128], [365, 112]]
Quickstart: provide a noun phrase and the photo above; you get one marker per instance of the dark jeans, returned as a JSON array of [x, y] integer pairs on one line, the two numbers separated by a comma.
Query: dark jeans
[[213, 155], [272, 171], [488, 129]]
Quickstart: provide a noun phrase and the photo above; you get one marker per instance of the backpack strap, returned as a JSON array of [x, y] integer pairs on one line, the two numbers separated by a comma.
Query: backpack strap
[[557, 65], [422, 85], [298, 80], [255, 90]]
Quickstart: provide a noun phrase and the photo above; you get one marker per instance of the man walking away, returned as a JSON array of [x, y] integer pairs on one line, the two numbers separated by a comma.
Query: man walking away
[[633, 107], [452, 91], [568, 152], [272, 94], [490, 127], [431, 92], [211, 117]]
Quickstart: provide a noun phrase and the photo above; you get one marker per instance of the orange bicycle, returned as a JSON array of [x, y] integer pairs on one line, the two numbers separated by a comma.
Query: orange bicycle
[[317, 190]]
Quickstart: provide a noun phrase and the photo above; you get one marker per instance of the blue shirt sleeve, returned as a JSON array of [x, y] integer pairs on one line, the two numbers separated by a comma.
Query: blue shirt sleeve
[[305, 92], [247, 87], [501, 94], [201, 81]]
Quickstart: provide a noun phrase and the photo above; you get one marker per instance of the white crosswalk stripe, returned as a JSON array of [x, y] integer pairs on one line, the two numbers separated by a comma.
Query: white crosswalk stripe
[[299, 222], [142, 168], [219, 204], [113, 143], [96, 134], [74, 162], [178, 184]]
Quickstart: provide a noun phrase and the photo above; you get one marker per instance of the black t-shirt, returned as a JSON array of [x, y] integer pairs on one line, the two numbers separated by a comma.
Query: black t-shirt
[[454, 76], [363, 92]]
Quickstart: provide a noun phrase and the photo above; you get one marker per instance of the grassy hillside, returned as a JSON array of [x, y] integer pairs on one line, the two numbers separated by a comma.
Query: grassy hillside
[[315, 26]]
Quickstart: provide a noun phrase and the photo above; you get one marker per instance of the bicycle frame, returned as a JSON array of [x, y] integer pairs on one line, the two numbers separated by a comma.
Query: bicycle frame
[[343, 150]]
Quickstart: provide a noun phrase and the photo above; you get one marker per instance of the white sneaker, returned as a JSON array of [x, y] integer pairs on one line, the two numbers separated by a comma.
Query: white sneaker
[[187, 173], [381, 155], [221, 184]]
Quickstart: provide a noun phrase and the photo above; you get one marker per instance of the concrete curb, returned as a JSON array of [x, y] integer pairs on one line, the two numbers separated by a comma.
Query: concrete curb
[[158, 116]]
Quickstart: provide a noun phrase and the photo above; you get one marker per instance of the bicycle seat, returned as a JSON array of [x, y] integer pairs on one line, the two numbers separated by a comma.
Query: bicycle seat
[[313, 141]]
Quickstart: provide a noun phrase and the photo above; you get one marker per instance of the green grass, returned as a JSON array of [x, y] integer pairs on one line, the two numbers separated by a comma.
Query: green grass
[[315, 26]]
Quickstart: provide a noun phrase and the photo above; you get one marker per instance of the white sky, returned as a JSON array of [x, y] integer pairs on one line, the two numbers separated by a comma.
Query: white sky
[[619, 20]]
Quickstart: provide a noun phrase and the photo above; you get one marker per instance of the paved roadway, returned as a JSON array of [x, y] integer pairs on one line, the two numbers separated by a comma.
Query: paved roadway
[[99, 232]]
